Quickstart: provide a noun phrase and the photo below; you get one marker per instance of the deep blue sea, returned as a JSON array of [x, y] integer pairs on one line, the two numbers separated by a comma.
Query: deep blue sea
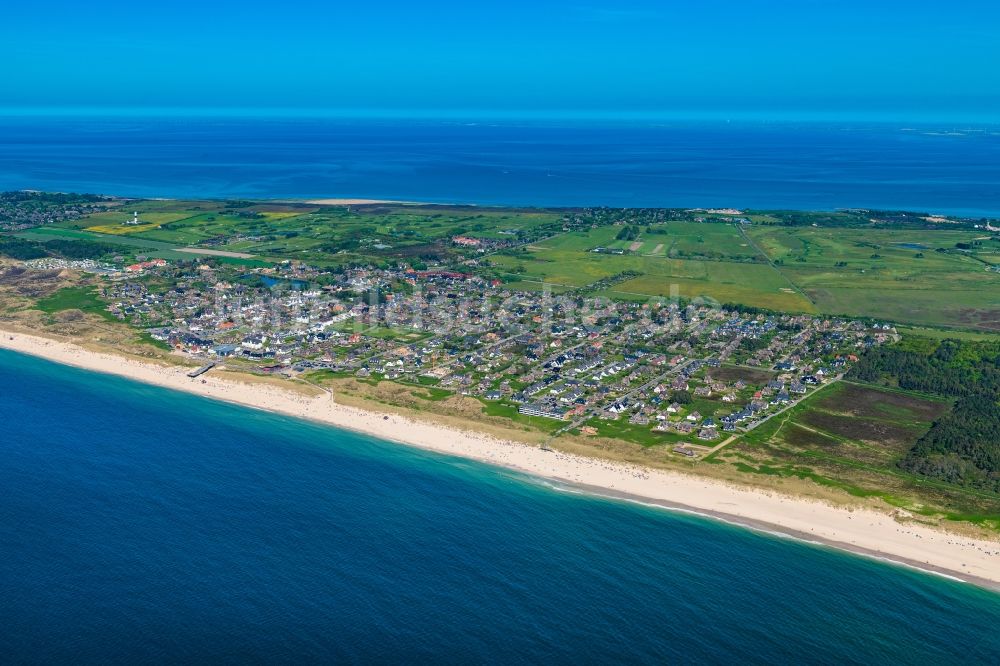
[[139, 525], [951, 169]]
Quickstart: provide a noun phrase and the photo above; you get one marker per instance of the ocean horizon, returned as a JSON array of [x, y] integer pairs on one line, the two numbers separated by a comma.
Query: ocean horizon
[[945, 168], [145, 524]]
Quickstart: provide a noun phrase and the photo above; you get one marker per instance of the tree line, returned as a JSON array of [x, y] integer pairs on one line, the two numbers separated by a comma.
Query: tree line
[[963, 446], [23, 249]]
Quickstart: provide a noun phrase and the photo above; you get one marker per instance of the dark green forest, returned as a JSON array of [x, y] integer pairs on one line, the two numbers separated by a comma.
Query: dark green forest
[[20, 248]]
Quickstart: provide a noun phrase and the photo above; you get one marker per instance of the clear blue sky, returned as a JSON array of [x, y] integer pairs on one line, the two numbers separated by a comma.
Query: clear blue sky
[[882, 57]]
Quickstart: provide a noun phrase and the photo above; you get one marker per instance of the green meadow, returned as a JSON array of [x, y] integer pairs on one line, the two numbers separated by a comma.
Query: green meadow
[[909, 276], [74, 298], [693, 260], [913, 276]]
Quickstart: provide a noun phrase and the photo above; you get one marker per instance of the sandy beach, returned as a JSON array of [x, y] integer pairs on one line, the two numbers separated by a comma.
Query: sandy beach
[[864, 531], [353, 202]]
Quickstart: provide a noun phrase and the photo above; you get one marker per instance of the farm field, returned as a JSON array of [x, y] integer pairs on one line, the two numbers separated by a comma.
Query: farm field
[[941, 334], [721, 281], [119, 230], [830, 245], [750, 284]]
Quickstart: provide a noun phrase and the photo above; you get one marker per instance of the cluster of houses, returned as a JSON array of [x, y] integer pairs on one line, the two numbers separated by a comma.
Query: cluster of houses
[[683, 371], [82, 265], [483, 244], [29, 209]]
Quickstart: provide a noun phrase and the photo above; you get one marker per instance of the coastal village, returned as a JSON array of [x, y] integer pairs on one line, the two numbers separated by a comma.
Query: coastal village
[[688, 375], [613, 342], [457, 302], [609, 332]]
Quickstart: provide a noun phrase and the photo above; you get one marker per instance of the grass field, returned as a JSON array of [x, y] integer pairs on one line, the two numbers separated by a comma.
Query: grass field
[[853, 422], [150, 218], [751, 284], [903, 275], [131, 245], [74, 298], [731, 373], [121, 230], [568, 260], [329, 235], [403, 335], [941, 333], [912, 276], [851, 436]]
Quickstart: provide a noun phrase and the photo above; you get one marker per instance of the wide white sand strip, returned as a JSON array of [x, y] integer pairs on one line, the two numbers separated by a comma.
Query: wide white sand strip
[[864, 531], [352, 202]]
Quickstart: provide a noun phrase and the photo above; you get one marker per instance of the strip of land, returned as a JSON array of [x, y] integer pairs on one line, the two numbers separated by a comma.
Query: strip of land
[[864, 531], [350, 202], [215, 253]]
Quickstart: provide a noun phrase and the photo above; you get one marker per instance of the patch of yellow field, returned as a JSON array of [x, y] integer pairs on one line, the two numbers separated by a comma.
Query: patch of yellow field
[[117, 217], [122, 229], [275, 215]]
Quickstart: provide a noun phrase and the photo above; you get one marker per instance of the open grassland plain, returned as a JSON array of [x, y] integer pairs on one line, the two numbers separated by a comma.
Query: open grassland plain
[[752, 284], [977, 309], [941, 333], [732, 373], [937, 277], [124, 243], [578, 259]]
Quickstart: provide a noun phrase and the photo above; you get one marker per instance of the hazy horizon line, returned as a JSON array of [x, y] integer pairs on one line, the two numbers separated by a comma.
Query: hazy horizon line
[[481, 114]]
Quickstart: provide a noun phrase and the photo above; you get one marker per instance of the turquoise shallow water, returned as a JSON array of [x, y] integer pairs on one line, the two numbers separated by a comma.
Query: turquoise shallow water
[[137, 524]]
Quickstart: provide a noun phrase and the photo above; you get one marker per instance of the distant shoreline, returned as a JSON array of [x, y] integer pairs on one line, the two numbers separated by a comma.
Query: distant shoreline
[[938, 214], [552, 163], [862, 531], [353, 202]]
